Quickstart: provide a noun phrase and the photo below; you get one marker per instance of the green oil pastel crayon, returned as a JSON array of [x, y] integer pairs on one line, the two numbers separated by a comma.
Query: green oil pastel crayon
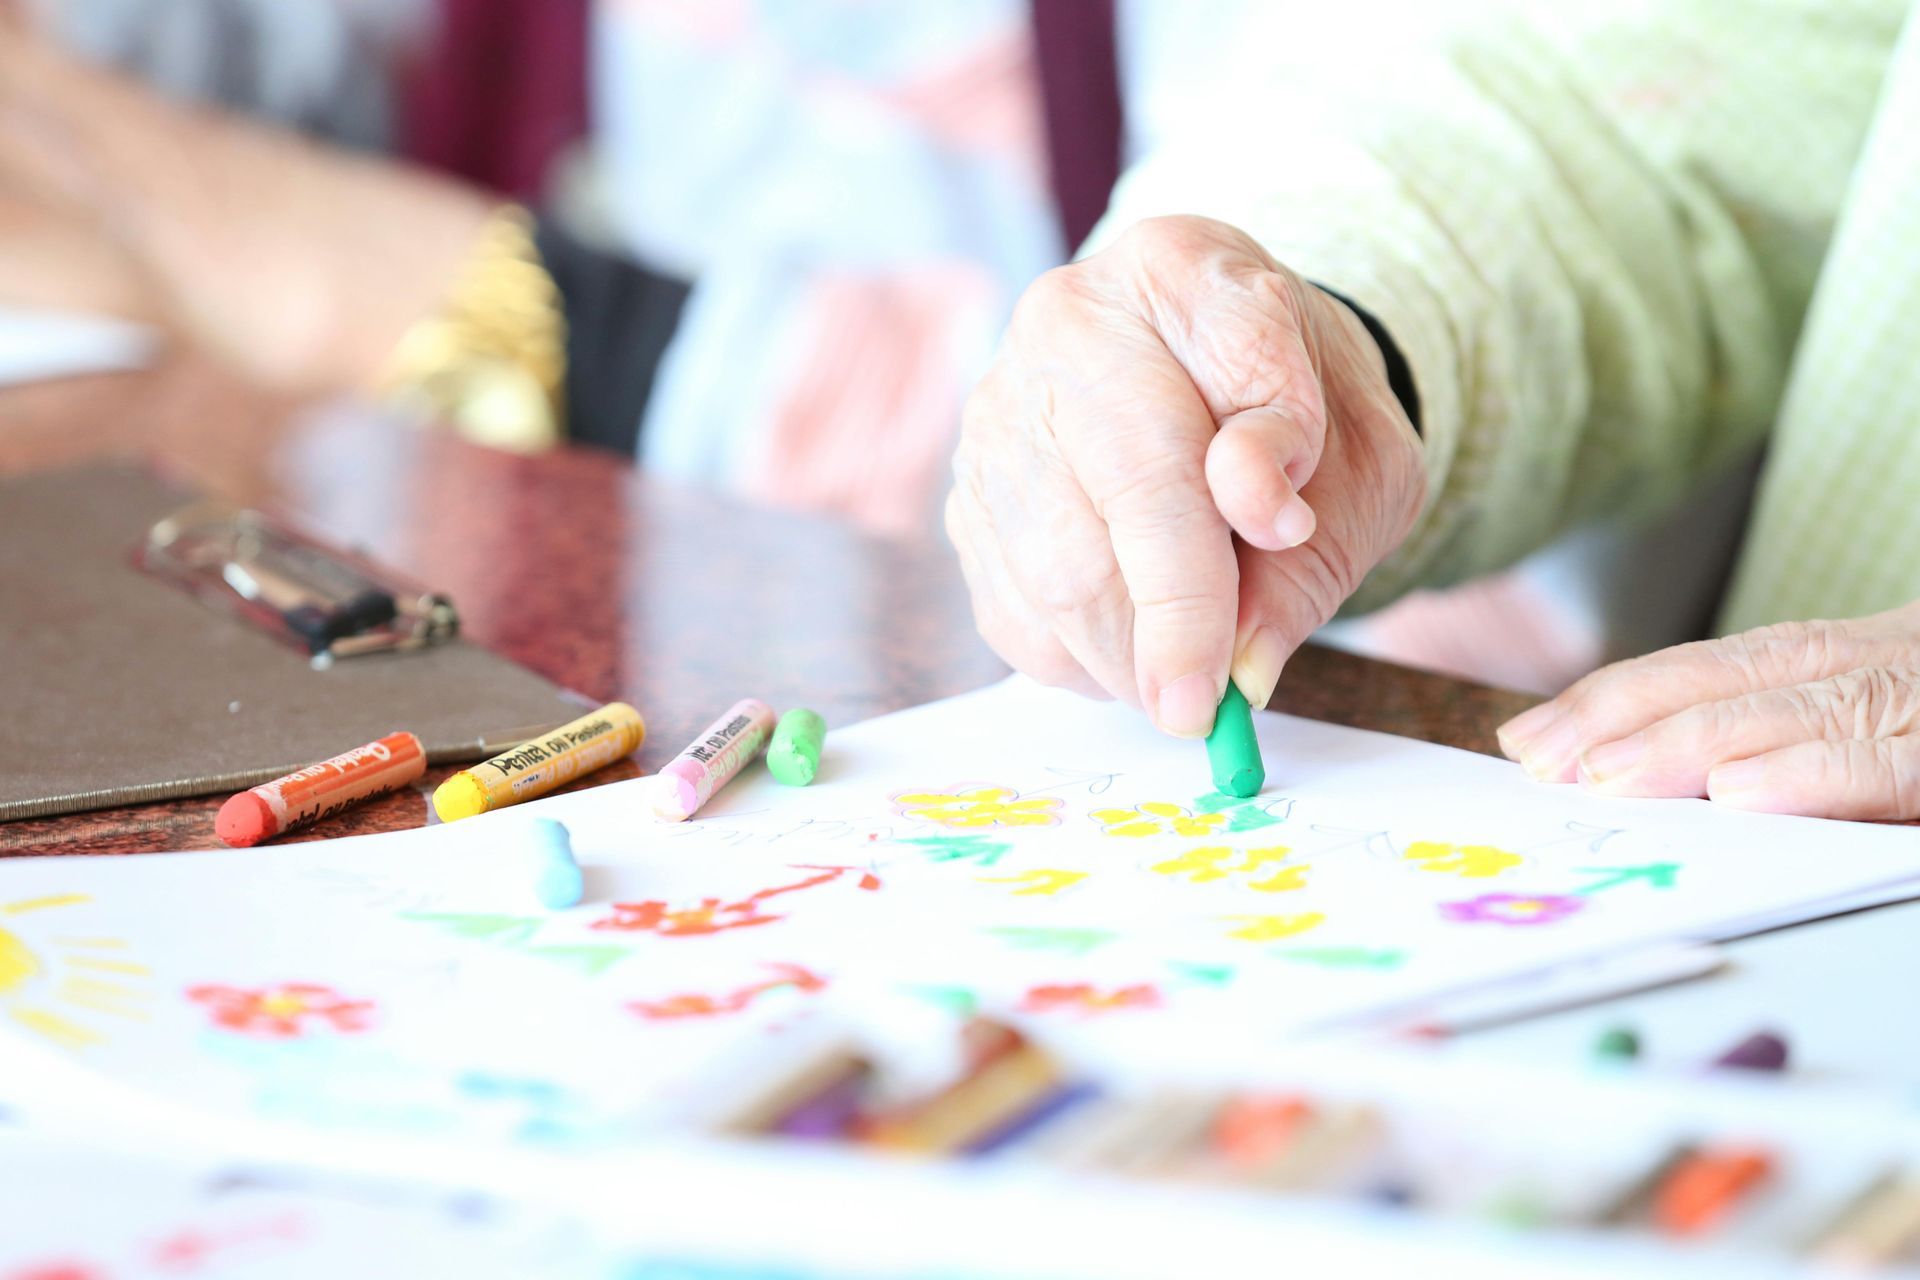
[[1617, 1044], [1233, 749], [794, 755]]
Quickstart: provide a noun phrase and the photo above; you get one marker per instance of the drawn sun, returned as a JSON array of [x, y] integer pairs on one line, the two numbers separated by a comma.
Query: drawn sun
[[53, 986]]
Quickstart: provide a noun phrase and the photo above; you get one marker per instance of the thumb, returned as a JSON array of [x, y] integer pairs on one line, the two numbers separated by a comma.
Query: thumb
[[1284, 598], [1365, 494]]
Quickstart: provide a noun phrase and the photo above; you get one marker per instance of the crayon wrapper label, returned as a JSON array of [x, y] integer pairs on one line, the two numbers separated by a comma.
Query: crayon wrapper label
[[721, 752], [561, 766], [543, 763], [324, 789], [724, 753]]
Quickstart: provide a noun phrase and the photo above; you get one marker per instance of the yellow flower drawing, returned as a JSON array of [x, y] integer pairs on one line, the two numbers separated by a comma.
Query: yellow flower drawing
[[968, 806], [1468, 861], [1157, 817], [1274, 928], [1045, 881], [1211, 862], [1198, 865]]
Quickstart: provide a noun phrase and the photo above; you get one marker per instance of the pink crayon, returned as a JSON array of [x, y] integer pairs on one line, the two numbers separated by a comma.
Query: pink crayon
[[688, 780]]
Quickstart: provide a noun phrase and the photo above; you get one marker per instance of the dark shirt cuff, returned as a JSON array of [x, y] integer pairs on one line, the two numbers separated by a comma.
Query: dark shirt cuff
[[620, 318], [1399, 372]]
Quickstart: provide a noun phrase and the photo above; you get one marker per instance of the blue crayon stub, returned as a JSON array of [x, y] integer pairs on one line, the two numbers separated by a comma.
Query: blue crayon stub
[[557, 881]]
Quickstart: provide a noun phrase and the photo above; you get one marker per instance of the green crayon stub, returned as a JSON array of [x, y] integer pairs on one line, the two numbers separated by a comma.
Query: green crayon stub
[[1617, 1044], [794, 755], [1233, 749]]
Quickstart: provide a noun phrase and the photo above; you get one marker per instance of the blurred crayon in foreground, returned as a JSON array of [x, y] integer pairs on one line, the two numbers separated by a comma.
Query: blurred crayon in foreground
[[824, 1093], [1761, 1051], [1704, 1188], [1251, 1132], [1617, 1044], [1876, 1227], [1005, 1078], [318, 791]]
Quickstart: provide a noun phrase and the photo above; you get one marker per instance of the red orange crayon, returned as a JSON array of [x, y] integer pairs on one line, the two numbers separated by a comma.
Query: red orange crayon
[[1251, 1132], [318, 791], [1704, 1188]]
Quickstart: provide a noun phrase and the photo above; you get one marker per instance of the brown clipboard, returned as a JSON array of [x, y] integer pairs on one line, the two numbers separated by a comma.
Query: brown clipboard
[[119, 688]]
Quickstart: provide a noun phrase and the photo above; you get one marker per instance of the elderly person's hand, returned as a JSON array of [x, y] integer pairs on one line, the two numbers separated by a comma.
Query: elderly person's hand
[[1147, 404], [1815, 718]]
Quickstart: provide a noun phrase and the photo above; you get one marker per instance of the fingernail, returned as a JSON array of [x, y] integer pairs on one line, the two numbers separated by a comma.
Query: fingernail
[[1552, 754], [1611, 759], [1187, 705], [1735, 779], [1295, 524], [1516, 733], [1256, 668]]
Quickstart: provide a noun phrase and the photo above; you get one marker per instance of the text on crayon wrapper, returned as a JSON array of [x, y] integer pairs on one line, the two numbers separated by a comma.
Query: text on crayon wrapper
[[340, 763], [715, 743], [533, 753]]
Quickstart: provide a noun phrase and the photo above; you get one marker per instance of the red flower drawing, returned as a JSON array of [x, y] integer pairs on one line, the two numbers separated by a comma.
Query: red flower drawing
[[695, 1005], [711, 915], [283, 1011]]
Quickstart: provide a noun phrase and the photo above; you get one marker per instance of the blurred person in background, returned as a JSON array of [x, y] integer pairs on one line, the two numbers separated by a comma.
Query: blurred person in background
[[773, 243]]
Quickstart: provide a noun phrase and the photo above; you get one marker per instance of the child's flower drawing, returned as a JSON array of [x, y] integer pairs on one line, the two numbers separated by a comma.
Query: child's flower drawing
[[282, 1011], [970, 805], [701, 1005], [707, 916], [1512, 908], [1211, 862], [1085, 998], [1157, 817], [1468, 861]]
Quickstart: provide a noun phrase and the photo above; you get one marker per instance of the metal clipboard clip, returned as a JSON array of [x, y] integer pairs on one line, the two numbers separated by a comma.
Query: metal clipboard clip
[[327, 602]]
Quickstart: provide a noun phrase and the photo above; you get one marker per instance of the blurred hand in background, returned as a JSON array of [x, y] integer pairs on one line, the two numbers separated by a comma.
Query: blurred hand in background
[[297, 264]]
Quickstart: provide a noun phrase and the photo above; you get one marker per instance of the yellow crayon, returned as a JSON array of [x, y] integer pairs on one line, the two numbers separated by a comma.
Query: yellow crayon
[[1876, 1228], [540, 764], [1004, 1077]]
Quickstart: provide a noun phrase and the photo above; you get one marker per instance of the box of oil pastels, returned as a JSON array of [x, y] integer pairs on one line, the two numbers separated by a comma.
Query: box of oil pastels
[[994, 1157]]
